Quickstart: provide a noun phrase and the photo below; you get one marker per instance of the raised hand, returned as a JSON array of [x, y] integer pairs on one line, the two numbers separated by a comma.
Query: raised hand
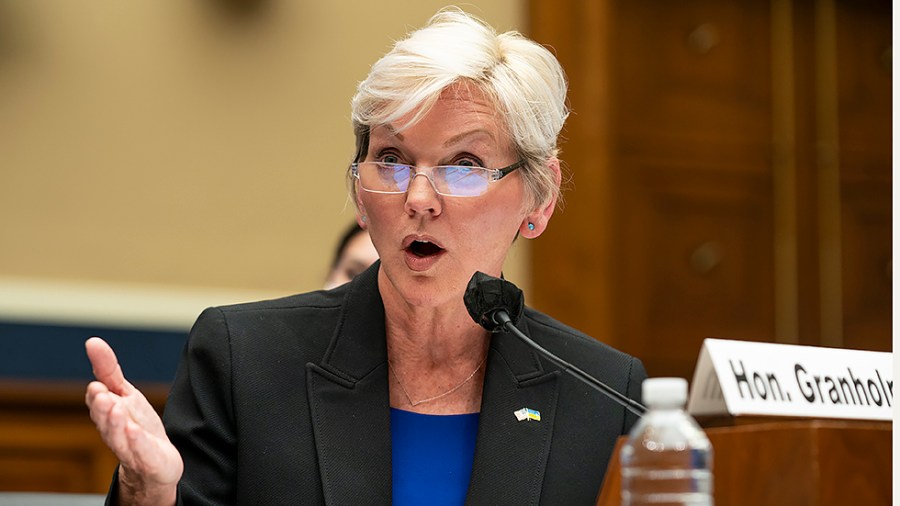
[[150, 466]]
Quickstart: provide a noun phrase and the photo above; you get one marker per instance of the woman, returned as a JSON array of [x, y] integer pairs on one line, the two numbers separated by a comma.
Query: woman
[[384, 389]]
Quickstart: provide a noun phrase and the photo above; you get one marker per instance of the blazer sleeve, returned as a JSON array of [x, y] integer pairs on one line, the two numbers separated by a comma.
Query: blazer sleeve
[[636, 376], [199, 414]]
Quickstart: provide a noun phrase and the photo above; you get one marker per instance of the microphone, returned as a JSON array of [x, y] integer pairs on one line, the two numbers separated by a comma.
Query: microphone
[[496, 304]]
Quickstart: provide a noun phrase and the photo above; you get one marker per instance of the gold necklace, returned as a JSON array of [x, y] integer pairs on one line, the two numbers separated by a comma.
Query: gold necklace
[[436, 397]]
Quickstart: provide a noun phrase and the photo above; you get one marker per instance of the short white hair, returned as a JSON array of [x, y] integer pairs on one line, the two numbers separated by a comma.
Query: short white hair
[[522, 78]]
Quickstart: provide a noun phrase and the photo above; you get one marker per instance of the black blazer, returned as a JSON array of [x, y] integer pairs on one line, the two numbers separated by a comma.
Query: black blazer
[[286, 402]]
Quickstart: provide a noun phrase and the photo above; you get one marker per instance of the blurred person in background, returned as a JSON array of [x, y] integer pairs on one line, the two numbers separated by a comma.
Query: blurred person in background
[[355, 253]]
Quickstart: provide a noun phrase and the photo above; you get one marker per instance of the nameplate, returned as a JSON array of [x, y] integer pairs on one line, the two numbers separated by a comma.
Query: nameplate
[[749, 378]]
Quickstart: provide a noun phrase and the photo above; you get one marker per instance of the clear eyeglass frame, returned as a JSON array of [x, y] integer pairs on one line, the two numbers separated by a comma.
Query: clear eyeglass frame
[[445, 187]]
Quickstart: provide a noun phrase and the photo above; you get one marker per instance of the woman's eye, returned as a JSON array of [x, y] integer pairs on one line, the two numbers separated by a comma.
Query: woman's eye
[[468, 162], [390, 159]]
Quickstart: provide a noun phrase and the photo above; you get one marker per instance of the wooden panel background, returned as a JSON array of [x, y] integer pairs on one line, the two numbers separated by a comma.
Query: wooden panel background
[[731, 175], [48, 442]]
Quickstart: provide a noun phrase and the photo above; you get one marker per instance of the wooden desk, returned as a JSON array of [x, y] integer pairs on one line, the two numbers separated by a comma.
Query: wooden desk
[[47, 439], [792, 463]]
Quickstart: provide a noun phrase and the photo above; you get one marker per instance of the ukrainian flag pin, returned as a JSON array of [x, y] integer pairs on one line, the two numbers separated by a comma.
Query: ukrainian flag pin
[[527, 415]]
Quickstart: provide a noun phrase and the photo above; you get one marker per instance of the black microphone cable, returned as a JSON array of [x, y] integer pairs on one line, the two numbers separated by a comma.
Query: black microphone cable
[[501, 318], [490, 300]]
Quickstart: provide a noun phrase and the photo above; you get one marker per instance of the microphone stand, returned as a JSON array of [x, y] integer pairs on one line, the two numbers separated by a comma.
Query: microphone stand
[[501, 318]]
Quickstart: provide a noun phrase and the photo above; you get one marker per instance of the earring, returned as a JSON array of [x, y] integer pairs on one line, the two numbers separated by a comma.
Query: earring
[[530, 226], [363, 218]]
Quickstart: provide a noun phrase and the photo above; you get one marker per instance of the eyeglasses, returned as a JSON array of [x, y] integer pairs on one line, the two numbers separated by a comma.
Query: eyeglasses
[[447, 180]]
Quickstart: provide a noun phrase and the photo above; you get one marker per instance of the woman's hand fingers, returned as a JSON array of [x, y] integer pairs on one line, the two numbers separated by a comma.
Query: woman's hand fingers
[[113, 432], [99, 401], [111, 381], [128, 424]]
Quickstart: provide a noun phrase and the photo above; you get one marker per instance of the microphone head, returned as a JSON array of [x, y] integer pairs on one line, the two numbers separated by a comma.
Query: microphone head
[[486, 295]]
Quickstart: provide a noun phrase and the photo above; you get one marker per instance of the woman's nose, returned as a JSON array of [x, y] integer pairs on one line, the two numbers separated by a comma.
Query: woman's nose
[[422, 196]]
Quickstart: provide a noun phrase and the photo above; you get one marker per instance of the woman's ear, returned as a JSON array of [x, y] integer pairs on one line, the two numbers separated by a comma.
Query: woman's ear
[[360, 210], [536, 221]]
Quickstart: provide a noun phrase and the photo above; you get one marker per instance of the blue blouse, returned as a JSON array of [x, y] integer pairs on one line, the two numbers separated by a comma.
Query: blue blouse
[[432, 457]]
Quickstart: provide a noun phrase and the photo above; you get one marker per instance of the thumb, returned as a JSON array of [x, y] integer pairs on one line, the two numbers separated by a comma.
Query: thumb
[[106, 365]]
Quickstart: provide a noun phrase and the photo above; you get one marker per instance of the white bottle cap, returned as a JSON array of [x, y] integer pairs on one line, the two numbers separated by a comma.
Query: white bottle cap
[[665, 392]]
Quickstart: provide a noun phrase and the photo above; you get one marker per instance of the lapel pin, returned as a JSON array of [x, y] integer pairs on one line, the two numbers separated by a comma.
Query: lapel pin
[[528, 414]]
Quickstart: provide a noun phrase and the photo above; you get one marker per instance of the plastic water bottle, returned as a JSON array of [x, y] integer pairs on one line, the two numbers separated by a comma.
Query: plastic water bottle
[[667, 459]]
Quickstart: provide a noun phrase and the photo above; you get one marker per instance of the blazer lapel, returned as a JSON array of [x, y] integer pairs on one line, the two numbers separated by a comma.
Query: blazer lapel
[[511, 455], [349, 402]]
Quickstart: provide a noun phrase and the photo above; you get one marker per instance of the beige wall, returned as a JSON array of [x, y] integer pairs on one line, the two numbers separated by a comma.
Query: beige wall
[[186, 145]]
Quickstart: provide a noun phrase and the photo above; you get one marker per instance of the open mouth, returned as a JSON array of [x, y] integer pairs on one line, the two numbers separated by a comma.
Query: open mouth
[[424, 249]]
